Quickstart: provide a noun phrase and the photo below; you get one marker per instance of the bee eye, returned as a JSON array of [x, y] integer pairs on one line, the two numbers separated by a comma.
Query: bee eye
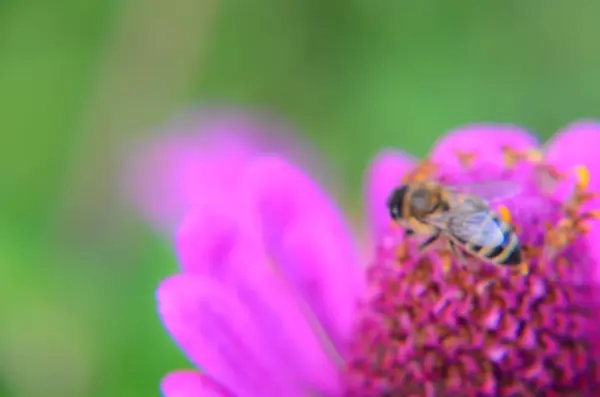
[[396, 201]]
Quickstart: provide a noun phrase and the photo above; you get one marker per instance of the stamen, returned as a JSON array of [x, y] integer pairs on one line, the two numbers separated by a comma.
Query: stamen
[[504, 213], [446, 261], [558, 236], [547, 177], [574, 223], [534, 156], [509, 156], [465, 158], [593, 214], [584, 197], [582, 176], [551, 172], [524, 268], [582, 228]]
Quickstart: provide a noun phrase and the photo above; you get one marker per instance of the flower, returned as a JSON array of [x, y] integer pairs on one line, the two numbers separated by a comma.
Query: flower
[[198, 157], [272, 301]]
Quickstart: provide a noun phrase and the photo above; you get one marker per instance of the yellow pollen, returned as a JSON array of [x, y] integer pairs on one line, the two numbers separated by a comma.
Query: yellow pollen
[[504, 213], [524, 268], [534, 155], [582, 176], [446, 262], [509, 156]]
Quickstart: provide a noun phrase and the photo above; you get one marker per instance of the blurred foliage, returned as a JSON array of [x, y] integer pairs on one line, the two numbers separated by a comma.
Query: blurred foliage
[[79, 80]]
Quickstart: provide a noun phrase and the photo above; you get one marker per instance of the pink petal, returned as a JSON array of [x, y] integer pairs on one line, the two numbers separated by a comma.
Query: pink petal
[[219, 335], [290, 329], [258, 340], [485, 140], [384, 174], [578, 144], [190, 384], [215, 241], [575, 145], [304, 233]]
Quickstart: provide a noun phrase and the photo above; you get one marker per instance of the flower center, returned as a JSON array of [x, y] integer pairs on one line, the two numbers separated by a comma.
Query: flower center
[[431, 326]]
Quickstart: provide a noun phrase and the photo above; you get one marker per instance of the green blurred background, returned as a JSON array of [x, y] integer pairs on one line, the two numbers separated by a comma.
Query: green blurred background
[[80, 78]]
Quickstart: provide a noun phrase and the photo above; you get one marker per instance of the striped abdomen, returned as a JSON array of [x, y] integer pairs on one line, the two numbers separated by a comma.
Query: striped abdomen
[[506, 253]]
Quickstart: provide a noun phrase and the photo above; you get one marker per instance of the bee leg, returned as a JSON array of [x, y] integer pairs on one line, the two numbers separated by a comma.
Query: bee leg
[[458, 253], [430, 240], [402, 250]]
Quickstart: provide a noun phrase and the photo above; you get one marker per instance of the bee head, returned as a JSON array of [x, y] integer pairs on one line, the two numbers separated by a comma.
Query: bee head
[[396, 202]]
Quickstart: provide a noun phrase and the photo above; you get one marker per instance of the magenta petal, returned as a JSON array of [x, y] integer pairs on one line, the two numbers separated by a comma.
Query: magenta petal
[[304, 233], [578, 144], [220, 335], [205, 239], [239, 336], [214, 240], [384, 174], [190, 384], [290, 329], [485, 140]]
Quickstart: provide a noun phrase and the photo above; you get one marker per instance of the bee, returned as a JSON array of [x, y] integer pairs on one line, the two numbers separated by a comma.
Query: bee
[[462, 213]]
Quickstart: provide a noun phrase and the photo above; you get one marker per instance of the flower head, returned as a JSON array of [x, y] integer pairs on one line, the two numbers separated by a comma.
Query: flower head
[[271, 299], [482, 329]]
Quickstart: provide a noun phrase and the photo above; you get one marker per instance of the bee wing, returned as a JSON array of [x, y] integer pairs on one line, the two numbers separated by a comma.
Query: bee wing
[[469, 224], [487, 190]]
